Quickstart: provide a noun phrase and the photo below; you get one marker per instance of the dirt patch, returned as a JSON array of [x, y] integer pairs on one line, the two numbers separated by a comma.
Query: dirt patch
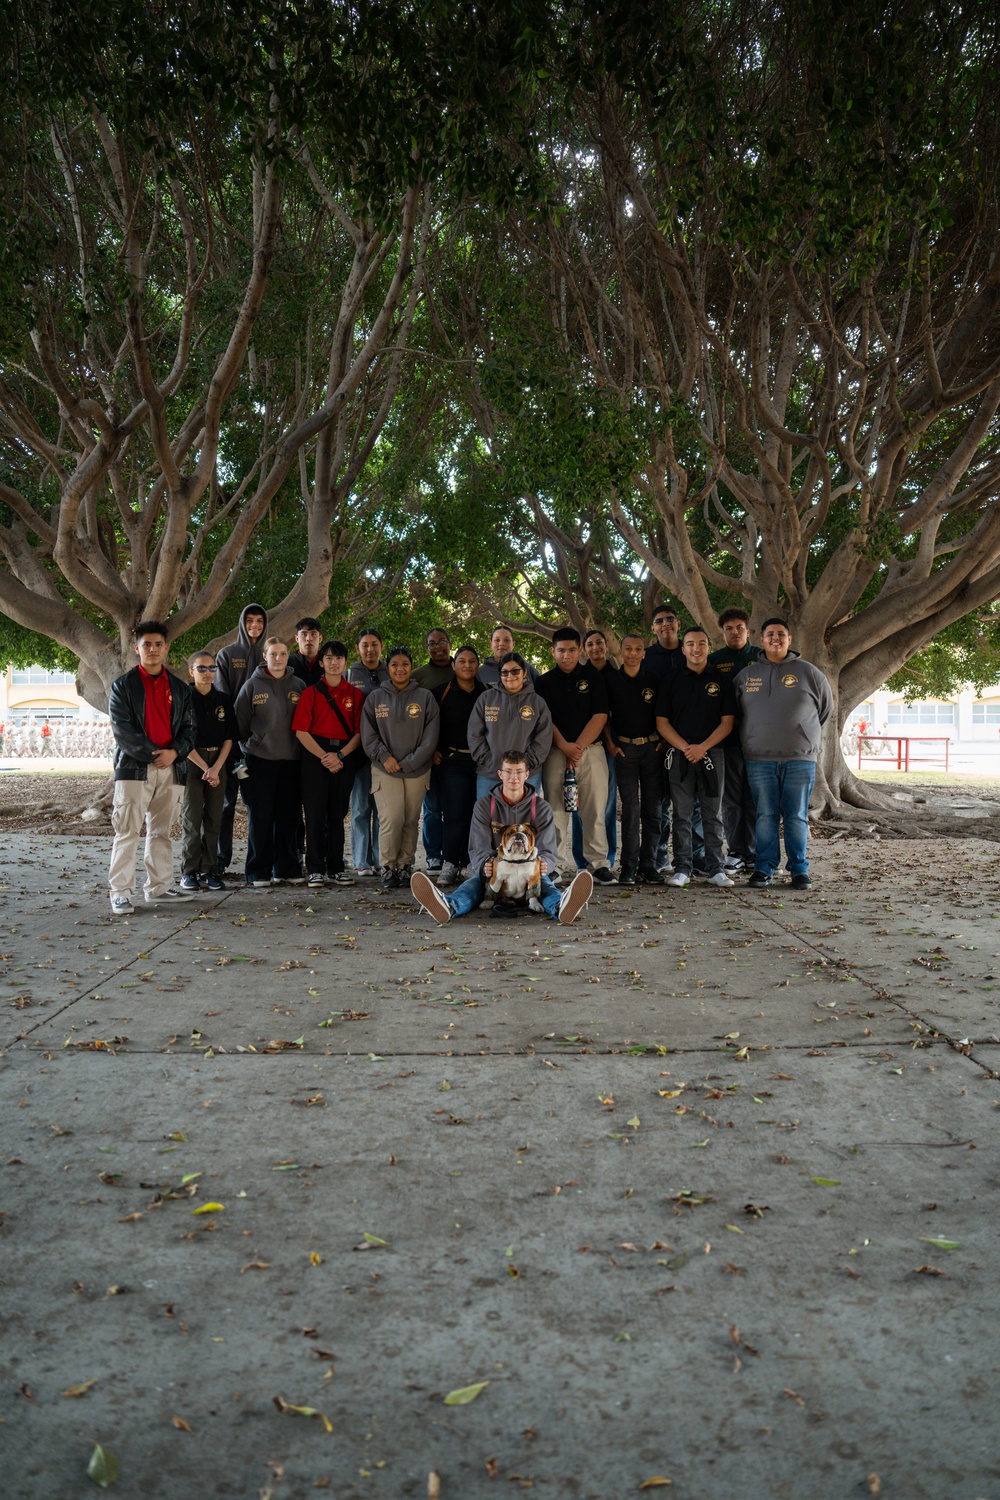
[[48, 802]]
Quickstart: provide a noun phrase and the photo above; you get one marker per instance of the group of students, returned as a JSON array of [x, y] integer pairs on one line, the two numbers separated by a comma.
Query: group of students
[[715, 747]]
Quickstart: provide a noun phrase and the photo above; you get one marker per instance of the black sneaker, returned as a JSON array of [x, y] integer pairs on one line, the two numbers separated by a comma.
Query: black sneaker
[[213, 882], [627, 876], [404, 874], [758, 880], [700, 872], [189, 883], [433, 864], [603, 876], [801, 883], [650, 875], [388, 877], [341, 877]]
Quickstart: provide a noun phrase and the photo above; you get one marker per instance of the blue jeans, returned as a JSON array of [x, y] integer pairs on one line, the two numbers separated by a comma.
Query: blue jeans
[[364, 819], [485, 784], [610, 819], [472, 893], [781, 791], [432, 830]]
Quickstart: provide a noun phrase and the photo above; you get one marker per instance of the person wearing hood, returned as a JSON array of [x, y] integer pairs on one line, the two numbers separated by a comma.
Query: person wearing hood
[[511, 800], [264, 711], [784, 702], [399, 734], [234, 664]]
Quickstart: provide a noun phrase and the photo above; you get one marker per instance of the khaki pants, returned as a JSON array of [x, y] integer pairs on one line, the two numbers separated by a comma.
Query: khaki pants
[[398, 799], [155, 803], [592, 783]]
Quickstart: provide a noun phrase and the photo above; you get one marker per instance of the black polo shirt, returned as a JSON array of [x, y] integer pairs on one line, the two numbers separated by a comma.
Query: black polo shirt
[[660, 663], [696, 702], [214, 718], [632, 704], [573, 698], [307, 671]]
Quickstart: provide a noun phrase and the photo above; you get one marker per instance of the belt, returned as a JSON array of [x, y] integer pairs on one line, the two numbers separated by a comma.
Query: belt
[[207, 749], [457, 750], [646, 739]]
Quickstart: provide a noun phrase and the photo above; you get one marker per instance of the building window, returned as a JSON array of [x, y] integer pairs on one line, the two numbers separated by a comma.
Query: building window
[[920, 715], [40, 677], [986, 713]]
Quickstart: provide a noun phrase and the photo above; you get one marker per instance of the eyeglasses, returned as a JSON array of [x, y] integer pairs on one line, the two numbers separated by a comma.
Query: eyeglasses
[[212, 668], [512, 672]]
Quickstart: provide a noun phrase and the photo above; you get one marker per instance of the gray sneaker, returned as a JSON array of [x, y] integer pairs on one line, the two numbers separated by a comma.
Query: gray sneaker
[[169, 897], [121, 906], [449, 873], [426, 892]]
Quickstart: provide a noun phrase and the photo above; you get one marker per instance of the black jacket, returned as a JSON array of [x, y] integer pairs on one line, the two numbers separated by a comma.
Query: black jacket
[[134, 751]]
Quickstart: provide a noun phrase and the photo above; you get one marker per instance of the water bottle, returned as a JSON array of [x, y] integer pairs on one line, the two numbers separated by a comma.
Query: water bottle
[[571, 792]]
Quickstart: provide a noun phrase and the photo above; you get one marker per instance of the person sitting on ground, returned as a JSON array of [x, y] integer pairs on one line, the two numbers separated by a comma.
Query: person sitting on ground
[[510, 801], [784, 702], [632, 737], [205, 786], [509, 717], [152, 718], [264, 712], [399, 733], [454, 775], [694, 714], [738, 815], [578, 703], [327, 724], [305, 663], [501, 645]]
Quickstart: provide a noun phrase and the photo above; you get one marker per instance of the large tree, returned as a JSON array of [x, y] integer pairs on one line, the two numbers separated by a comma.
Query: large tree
[[215, 224], [771, 242]]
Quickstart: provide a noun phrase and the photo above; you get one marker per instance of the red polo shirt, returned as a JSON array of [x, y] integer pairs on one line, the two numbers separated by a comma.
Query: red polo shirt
[[159, 704], [314, 714]]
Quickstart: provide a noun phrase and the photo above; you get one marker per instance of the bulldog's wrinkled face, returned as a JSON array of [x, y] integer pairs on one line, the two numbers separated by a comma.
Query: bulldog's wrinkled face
[[518, 842]]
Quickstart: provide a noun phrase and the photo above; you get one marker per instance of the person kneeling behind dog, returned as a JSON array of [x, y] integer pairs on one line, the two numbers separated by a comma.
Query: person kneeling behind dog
[[509, 803]]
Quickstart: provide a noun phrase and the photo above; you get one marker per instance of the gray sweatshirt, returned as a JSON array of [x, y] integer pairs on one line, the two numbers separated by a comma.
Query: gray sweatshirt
[[401, 724], [783, 707], [502, 721], [492, 814], [238, 662], [264, 709]]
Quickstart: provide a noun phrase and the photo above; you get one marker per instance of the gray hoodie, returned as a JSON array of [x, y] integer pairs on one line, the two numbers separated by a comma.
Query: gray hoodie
[[492, 814], [240, 660], [783, 707], [264, 710], [502, 721], [400, 724]]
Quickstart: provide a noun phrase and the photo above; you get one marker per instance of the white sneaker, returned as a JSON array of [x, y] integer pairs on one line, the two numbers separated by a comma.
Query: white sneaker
[[733, 864], [121, 906], [430, 898], [575, 897], [680, 879], [720, 878]]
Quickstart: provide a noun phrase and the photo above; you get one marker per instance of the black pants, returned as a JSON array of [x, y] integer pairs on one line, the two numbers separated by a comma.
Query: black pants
[[456, 786], [234, 789], [326, 797], [201, 817], [739, 818], [275, 811], [640, 787]]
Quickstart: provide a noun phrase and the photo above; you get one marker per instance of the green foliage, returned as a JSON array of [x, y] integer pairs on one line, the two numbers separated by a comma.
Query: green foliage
[[966, 654]]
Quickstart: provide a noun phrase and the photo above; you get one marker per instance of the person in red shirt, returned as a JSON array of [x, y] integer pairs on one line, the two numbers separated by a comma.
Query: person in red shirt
[[327, 724]]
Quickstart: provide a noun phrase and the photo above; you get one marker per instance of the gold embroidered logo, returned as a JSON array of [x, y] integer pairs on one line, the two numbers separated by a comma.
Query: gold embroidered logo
[[647, 695], [381, 710], [712, 689], [348, 703], [789, 679], [220, 712], [294, 697], [527, 712], [491, 715], [414, 710], [583, 686]]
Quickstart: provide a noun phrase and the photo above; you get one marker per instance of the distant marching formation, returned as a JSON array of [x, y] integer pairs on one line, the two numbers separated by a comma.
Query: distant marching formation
[[519, 776], [29, 739]]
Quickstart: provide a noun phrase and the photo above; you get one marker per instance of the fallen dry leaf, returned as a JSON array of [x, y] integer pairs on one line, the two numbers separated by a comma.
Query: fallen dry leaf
[[255, 1265], [181, 1425], [655, 1482], [81, 1390], [433, 1485]]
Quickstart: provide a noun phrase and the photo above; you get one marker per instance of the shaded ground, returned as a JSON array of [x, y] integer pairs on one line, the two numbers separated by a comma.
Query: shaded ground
[[668, 1180]]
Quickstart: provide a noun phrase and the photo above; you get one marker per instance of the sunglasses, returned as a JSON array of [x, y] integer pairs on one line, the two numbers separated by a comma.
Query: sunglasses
[[212, 668], [512, 672]]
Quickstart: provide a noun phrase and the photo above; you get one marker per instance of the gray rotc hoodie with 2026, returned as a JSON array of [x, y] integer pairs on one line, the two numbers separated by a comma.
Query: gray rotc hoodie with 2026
[[783, 707], [402, 724], [264, 710]]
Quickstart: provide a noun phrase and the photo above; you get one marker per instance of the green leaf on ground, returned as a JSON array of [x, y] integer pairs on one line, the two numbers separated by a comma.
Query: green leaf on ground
[[103, 1468], [928, 1239], [465, 1393]]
